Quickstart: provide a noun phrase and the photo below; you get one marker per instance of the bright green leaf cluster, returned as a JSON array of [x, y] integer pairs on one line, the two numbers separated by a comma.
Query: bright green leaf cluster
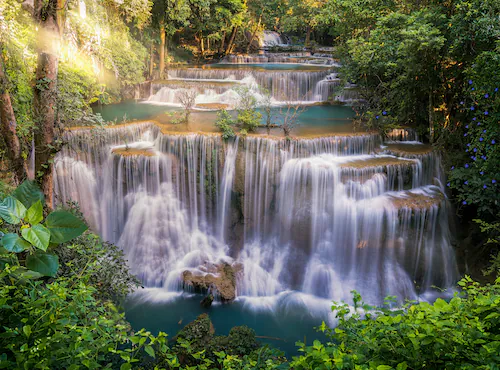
[[24, 211]]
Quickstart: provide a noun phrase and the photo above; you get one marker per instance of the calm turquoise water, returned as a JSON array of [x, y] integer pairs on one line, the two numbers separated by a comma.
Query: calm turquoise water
[[129, 111], [317, 116], [284, 327]]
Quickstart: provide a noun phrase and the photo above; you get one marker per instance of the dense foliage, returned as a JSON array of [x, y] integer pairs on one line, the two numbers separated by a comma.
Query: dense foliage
[[461, 333]]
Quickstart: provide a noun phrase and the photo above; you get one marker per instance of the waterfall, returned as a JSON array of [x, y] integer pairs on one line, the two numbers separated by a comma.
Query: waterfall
[[227, 187], [289, 58], [272, 38], [316, 216], [285, 85]]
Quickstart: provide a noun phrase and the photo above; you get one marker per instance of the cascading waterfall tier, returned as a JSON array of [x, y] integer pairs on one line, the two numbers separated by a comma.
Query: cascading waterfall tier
[[273, 38], [289, 85], [317, 216], [279, 58]]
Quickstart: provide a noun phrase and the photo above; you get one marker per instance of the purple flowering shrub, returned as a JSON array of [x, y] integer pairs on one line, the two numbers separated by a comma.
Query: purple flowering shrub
[[474, 175]]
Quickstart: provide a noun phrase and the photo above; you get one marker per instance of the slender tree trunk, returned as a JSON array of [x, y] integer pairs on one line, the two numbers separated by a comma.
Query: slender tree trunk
[[151, 61], [308, 37], [8, 126], [202, 46], [61, 16], [45, 92], [162, 50], [231, 40], [222, 42], [431, 121], [254, 34], [166, 52]]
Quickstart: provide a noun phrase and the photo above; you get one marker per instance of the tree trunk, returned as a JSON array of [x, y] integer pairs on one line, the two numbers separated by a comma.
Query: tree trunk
[[8, 127], [254, 34], [431, 121], [61, 16], [151, 61], [222, 42], [308, 37], [231, 40], [202, 46], [162, 50], [45, 93], [166, 52]]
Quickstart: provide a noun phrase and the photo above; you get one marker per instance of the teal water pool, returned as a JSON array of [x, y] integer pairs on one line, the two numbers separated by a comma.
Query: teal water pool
[[321, 119], [280, 329]]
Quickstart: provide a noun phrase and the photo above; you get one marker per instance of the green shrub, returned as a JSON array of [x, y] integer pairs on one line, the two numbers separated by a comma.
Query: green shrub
[[462, 333], [475, 170], [248, 120], [242, 340], [225, 123], [102, 263]]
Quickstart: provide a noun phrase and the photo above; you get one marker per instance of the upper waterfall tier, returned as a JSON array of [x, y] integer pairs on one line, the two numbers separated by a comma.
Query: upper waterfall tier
[[320, 215], [284, 85], [273, 38], [280, 58]]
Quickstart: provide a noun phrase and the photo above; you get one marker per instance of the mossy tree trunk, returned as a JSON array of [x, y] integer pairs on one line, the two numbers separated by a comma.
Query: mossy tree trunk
[[8, 126], [45, 92]]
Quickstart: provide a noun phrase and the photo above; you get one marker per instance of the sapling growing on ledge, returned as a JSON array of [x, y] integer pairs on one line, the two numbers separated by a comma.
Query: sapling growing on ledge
[[187, 98], [290, 112]]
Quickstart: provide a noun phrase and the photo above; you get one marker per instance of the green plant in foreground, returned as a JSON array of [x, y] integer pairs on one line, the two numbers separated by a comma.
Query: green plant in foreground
[[463, 333], [26, 242]]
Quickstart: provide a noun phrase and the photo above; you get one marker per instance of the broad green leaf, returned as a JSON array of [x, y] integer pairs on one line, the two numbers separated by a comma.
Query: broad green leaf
[[12, 210], [13, 243], [125, 367], [31, 275], [402, 366], [150, 351], [27, 330], [441, 304], [37, 235], [45, 263], [384, 367], [64, 226], [34, 214], [28, 193]]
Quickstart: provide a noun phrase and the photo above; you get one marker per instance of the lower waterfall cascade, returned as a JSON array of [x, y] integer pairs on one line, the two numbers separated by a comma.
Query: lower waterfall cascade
[[307, 219]]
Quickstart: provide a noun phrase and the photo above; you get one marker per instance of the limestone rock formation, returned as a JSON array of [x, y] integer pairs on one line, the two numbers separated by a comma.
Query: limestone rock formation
[[219, 278]]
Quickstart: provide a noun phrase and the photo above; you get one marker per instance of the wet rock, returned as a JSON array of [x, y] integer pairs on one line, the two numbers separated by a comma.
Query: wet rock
[[207, 301], [218, 278]]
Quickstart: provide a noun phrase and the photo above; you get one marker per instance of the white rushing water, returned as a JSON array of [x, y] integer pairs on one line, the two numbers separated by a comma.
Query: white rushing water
[[220, 85], [305, 218], [273, 38]]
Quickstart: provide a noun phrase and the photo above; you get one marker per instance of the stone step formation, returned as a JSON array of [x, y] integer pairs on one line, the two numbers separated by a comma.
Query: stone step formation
[[306, 215], [258, 216]]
